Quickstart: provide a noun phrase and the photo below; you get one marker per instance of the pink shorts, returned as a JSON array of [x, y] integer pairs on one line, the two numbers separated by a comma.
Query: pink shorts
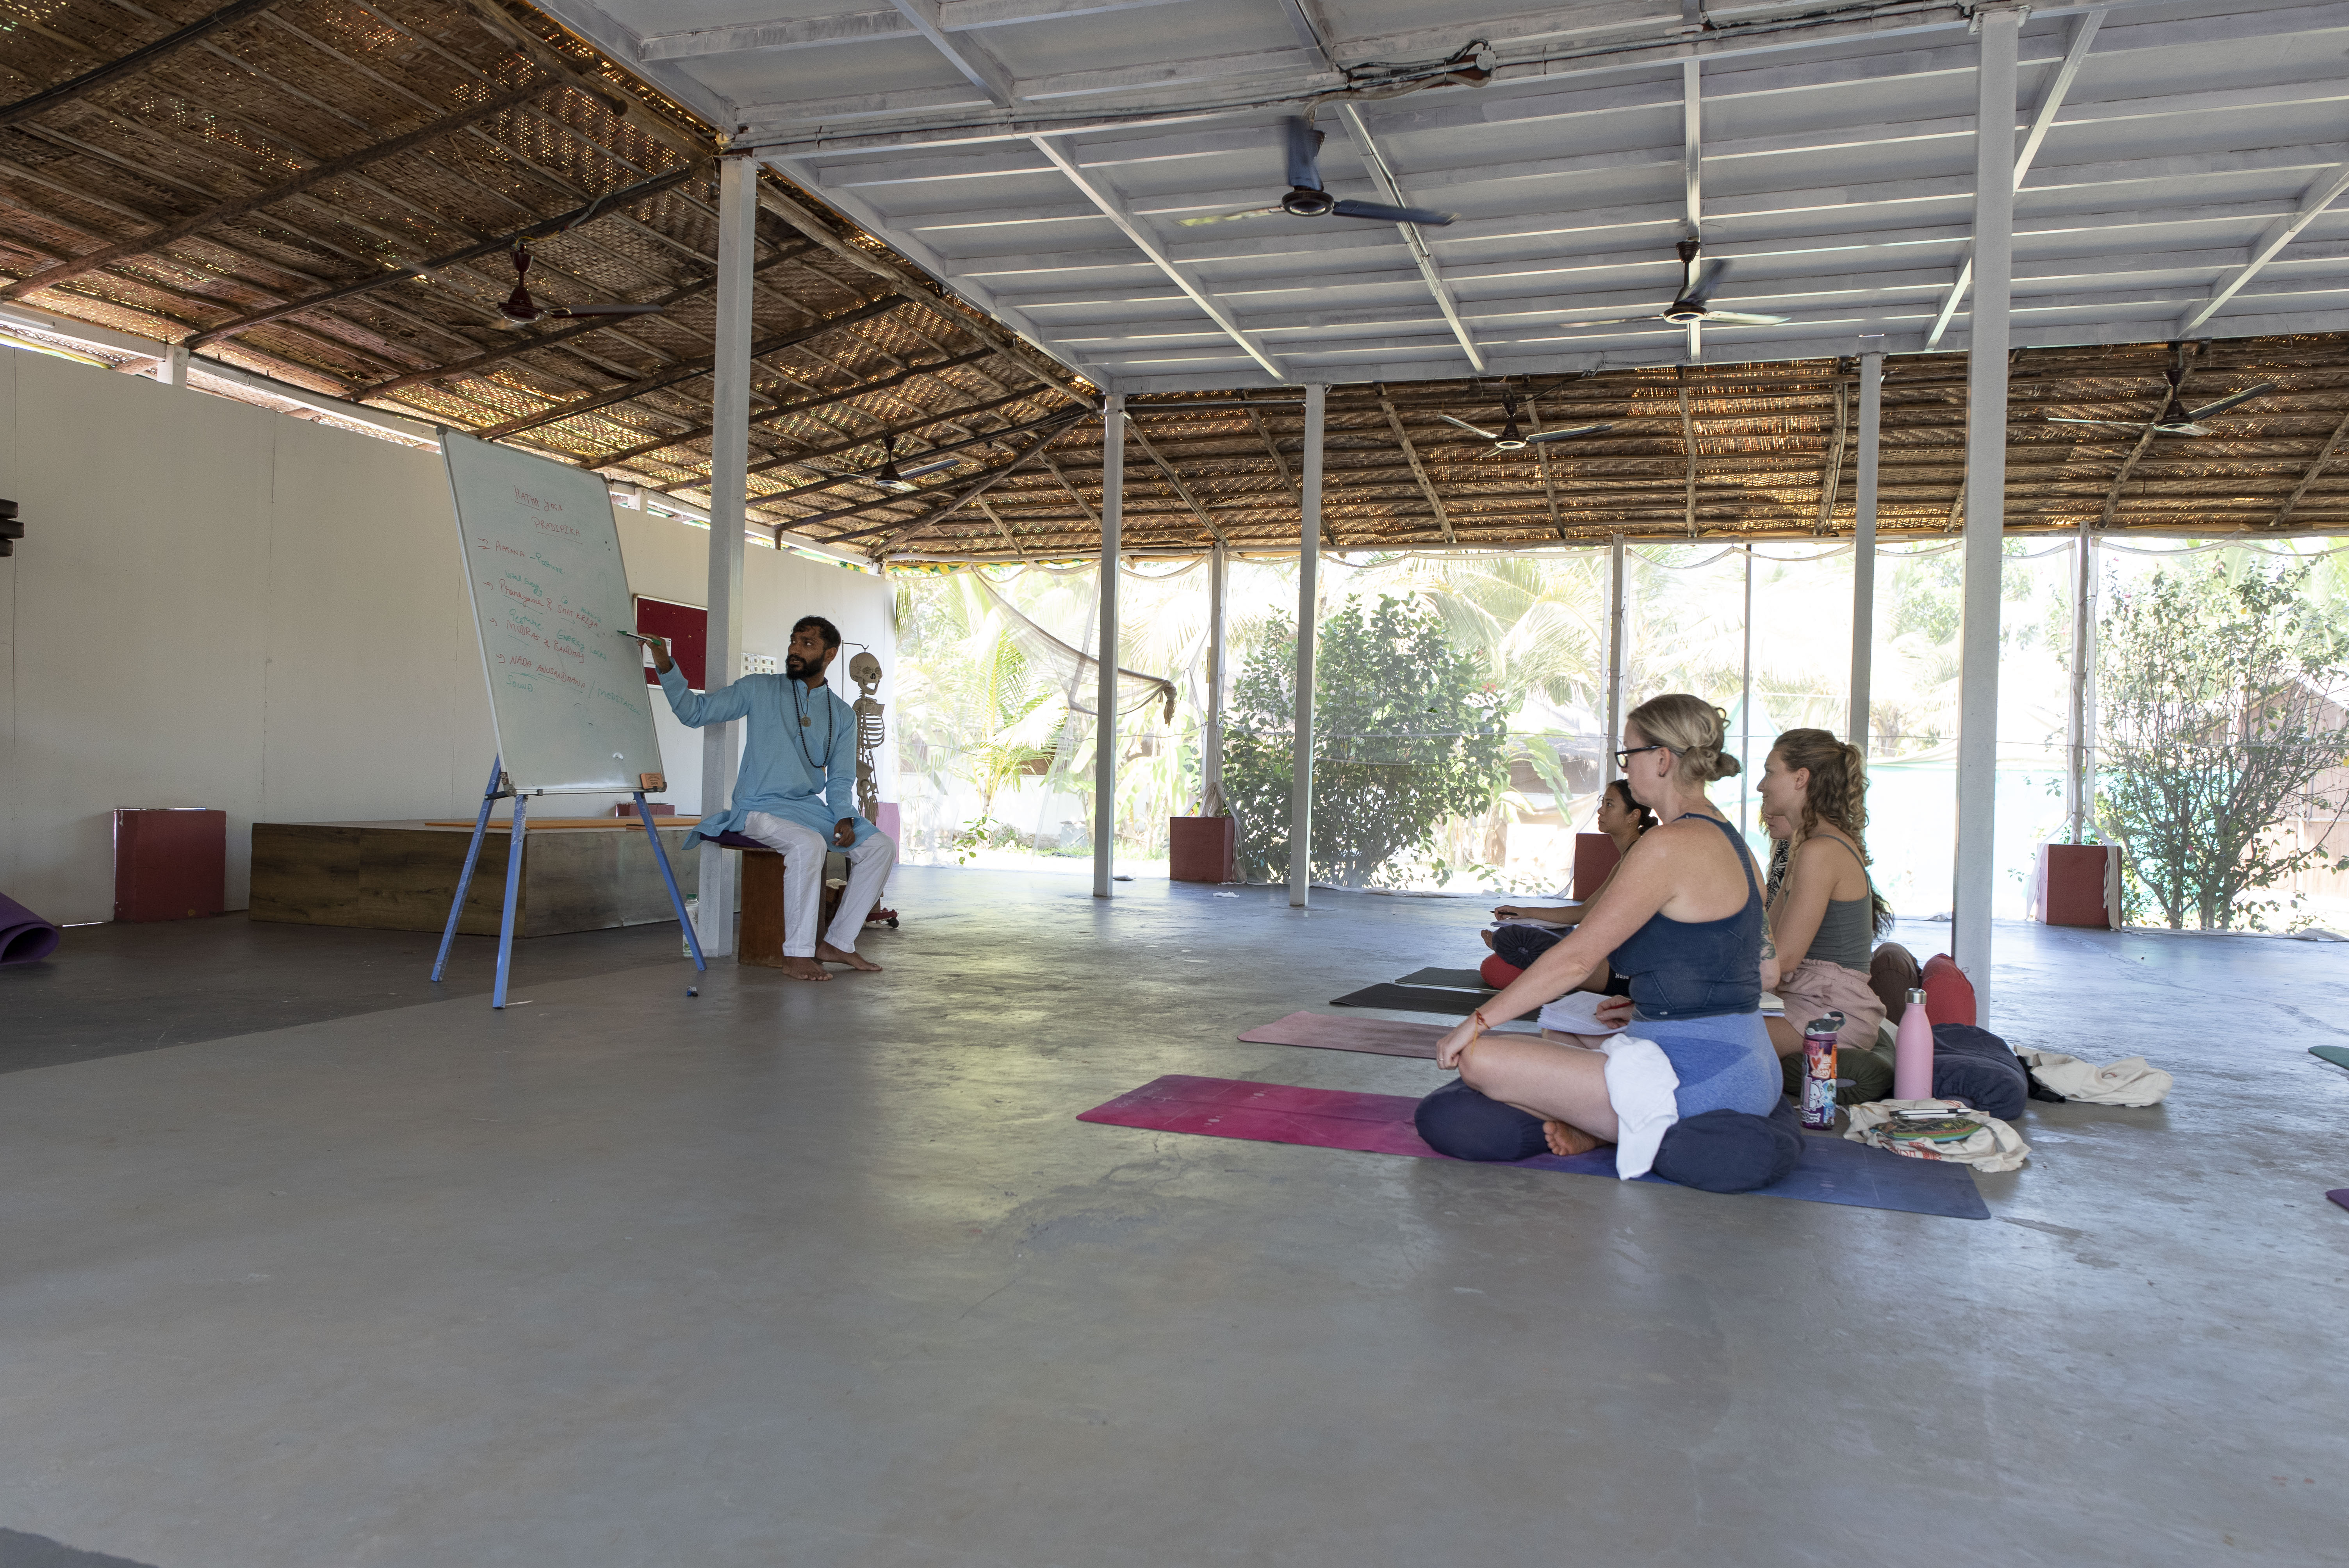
[[1817, 988]]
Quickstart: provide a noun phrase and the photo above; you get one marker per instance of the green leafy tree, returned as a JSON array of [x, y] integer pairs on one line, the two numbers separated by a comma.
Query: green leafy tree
[[1406, 733], [2214, 721]]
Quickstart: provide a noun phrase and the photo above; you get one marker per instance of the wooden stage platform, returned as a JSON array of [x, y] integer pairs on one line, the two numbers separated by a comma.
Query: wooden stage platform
[[580, 874]]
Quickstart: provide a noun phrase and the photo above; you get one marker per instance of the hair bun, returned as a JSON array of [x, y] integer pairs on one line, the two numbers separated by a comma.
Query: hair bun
[[1725, 766]]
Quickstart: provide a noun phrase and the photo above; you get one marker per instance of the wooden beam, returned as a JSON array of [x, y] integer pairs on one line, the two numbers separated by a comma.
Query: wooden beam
[[981, 502], [977, 488], [576, 216], [142, 244], [1181, 490], [1056, 422], [138, 59], [905, 429], [804, 405], [2332, 445], [2112, 495], [1418, 470], [699, 365], [1054, 469]]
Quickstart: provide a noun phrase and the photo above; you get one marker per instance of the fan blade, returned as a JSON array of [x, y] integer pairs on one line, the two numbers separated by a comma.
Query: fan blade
[[1303, 145], [1609, 321], [2109, 424], [1740, 318], [607, 310], [937, 468], [1467, 426], [1562, 434], [2229, 401], [1702, 281], [1386, 215], [1228, 217]]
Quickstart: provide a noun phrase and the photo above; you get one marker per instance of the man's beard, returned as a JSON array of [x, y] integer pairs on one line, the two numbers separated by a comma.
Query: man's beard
[[799, 669]]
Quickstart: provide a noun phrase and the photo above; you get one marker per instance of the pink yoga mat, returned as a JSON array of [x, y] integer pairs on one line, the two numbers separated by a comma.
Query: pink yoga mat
[[1277, 1113], [1832, 1169]]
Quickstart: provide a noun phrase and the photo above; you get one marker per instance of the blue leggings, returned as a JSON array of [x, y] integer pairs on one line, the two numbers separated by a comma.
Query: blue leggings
[[1724, 1064]]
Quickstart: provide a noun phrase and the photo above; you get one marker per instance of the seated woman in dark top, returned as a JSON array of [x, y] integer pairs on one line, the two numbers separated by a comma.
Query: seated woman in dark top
[[1621, 818], [1824, 911], [1682, 919]]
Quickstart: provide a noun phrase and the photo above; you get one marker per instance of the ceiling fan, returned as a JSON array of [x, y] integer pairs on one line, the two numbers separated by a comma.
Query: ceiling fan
[[2175, 420], [1508, 438], [520, 310], [1307, 199], [1694, 304], [890, 477]]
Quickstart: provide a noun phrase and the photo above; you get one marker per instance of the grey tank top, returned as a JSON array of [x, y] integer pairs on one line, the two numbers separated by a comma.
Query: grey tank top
[[1846, 932]]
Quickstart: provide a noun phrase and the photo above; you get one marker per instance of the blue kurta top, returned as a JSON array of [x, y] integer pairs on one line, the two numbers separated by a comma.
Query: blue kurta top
[[775, 775]]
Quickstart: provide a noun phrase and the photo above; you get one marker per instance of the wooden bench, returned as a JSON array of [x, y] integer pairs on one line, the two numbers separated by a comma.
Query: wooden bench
[[761, 940]]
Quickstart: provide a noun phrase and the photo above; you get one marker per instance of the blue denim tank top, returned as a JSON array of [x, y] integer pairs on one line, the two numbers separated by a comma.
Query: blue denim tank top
[[1698, 968]]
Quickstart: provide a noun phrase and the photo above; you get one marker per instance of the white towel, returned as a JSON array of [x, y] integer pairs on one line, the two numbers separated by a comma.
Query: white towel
[[1640, 1084], [2128, 1081]]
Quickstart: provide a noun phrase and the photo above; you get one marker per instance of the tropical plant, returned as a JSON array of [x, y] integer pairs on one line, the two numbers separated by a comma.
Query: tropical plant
[[1407, 733], [2214, 709]]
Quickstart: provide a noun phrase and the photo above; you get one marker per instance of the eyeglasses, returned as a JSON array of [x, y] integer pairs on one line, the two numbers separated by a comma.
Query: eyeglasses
[[1624, 756]]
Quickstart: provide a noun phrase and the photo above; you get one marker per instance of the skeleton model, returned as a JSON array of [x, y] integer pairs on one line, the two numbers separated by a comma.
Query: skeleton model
[[865, 671]]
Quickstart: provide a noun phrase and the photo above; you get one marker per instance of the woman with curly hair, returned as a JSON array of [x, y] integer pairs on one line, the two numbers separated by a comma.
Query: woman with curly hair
[[1823, 912], [1682, 921]]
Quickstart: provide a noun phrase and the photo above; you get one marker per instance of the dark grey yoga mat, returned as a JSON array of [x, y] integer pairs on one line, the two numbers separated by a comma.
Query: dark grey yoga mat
[[1453, 979], [1414, 1000]]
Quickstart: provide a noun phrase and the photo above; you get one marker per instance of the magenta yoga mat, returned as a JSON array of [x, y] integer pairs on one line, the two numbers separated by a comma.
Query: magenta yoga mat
[[1832, 1169]]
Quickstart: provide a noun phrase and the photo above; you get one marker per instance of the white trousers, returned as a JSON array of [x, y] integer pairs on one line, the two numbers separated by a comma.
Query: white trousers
[[869, 865]]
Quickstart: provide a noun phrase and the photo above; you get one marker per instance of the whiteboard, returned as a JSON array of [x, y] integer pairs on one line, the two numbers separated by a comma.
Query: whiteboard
[[550, 596]]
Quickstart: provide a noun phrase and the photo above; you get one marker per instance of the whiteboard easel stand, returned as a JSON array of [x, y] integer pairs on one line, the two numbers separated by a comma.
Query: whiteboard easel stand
[[493, 791]]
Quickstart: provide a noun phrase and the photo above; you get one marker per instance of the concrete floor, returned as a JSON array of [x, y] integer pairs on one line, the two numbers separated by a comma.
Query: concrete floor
[[817, 1275]]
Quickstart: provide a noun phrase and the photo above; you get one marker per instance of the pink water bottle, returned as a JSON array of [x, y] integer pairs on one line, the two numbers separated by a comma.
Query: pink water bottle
[[1912, 1052]]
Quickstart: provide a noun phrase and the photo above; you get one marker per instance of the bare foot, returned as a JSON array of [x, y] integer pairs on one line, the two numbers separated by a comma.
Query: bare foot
[[1564, 1140], [826, 953], [1487, 936], [805, 969]]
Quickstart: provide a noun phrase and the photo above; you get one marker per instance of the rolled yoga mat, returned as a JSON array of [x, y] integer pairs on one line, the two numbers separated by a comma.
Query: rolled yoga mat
[[25, 938], [1831, 1171], [2337, 1055], [1456, 979], [1414, 1000]]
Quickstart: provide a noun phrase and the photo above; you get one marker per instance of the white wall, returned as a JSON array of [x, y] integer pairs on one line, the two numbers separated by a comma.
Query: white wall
[[216, 605]]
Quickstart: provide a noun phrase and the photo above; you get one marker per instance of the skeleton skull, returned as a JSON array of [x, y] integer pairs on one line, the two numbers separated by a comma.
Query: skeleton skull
[[865, 671]]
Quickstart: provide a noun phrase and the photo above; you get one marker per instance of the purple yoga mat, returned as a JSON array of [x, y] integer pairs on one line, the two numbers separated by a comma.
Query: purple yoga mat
[[2340, 1195], [25, 938], [1380, 1037], [1832, 1169]]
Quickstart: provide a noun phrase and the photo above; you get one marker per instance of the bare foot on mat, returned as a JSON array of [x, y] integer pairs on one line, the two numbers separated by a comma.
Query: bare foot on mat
[[1564, 1140], [805, 969], [826, 953]]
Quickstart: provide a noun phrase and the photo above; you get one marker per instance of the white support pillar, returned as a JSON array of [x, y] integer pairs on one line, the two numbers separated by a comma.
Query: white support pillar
[[1748, 769], [1211, 751], [729, 457], [1617, 662], [1112, 523], [2079, 737], [1863, 538], [173, 369], [1975, 878], [1308, 598]]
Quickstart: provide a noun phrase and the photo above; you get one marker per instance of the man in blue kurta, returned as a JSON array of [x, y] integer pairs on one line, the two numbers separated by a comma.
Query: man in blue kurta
[[793, 790]]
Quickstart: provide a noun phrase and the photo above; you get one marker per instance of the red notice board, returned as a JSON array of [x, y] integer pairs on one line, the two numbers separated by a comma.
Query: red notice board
[[686, 627]]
